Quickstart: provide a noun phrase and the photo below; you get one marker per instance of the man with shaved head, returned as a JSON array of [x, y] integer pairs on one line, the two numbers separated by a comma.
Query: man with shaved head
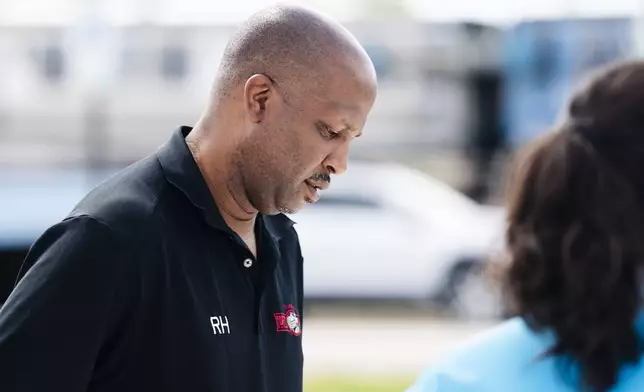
[[182, 272]]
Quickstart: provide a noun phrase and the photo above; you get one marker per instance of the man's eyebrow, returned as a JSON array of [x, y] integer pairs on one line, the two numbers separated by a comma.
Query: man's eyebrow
[[348, 128], [324, 124]]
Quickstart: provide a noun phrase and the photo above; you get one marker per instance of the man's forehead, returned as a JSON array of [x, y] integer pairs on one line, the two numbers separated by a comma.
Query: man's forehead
[[352, 115], [340, 114], [345, 108]]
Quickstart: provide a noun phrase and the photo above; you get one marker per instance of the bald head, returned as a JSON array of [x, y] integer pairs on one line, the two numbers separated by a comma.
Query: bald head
[[296, 46]]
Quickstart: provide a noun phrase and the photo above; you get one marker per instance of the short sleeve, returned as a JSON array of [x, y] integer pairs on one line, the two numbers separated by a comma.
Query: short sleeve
[[54, 322]]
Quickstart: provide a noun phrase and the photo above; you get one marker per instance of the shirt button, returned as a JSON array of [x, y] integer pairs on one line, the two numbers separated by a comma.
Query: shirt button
[[248, 263]]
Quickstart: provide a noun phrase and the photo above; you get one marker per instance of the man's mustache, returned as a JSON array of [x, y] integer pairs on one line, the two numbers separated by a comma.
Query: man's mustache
[[324, 177]]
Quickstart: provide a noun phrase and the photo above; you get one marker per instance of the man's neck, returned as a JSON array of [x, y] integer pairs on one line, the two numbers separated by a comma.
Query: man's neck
[[227, 192]]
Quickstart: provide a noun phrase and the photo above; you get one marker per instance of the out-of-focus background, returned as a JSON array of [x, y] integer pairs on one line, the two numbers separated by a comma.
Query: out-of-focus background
[[395, 250]]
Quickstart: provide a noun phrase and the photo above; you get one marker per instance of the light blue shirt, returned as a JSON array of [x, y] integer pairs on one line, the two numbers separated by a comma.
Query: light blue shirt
[[504, 359]]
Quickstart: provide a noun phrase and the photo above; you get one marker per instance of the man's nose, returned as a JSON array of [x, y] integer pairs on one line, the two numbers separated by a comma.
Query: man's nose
[[337, 162]]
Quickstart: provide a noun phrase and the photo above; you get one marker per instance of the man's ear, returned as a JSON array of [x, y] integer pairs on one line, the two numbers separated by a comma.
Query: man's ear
[[258, 94]]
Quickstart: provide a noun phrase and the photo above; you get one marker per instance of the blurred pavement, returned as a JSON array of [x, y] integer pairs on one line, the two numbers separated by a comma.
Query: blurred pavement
[[396, 345]]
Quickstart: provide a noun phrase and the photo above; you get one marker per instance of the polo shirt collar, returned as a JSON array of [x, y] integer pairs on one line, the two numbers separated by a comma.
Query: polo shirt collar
[[181, 170]]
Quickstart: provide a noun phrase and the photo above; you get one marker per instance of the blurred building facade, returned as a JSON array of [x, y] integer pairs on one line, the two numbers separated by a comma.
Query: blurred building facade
[[125, 88], [451, 94]]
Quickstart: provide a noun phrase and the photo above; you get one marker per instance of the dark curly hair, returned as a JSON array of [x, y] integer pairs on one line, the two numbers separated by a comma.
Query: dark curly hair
[[576, 229]]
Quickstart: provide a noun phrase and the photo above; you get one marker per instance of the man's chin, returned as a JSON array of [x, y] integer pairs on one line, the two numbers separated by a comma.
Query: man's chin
[[286, 211], [292, 208]]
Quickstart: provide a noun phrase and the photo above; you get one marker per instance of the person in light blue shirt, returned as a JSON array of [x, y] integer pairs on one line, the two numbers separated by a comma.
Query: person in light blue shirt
[[575, 246]]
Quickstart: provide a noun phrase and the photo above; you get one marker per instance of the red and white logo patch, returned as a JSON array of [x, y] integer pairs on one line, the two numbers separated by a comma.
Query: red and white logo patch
[[289, 321]]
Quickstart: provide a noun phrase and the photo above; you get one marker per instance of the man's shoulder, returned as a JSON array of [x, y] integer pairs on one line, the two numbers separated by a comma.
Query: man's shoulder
[[126, 201]]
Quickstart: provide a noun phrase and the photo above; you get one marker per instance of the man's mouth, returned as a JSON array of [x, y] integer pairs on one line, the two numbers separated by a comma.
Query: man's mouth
[[317, 186], [314, 191]]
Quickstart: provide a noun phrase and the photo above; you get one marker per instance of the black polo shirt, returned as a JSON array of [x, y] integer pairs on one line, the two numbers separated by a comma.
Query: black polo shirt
[[143, 287]]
